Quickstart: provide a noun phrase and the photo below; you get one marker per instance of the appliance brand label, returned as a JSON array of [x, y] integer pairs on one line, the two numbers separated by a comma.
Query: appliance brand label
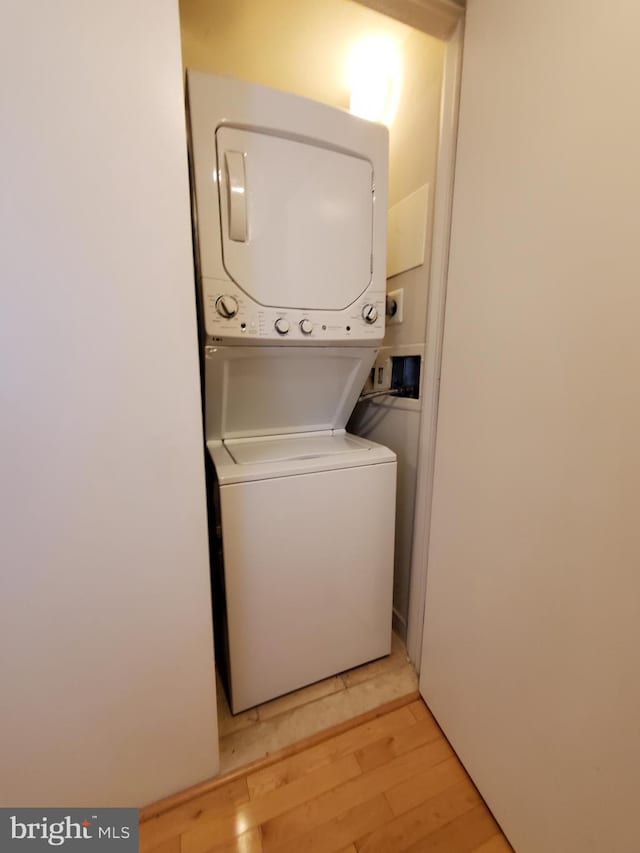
[[103, 830]]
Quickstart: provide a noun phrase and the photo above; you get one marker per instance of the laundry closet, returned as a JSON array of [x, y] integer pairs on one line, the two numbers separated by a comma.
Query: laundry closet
[[294, 334]]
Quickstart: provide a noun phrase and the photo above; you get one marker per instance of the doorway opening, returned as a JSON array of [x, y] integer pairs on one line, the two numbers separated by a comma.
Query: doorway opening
[[349, 56]]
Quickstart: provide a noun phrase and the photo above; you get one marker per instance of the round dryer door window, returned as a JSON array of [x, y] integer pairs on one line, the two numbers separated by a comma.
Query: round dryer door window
[[296, 220]]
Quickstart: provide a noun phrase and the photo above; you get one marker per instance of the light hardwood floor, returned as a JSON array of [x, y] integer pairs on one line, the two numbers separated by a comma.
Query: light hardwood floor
[[260, 731], [389, 784]]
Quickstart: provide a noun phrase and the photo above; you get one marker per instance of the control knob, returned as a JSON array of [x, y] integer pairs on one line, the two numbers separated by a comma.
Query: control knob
[[282, 325], [306, 326], [369, 313], [227, 306]]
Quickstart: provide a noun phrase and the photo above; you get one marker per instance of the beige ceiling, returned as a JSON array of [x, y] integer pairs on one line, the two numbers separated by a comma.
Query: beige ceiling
[[436, 17]]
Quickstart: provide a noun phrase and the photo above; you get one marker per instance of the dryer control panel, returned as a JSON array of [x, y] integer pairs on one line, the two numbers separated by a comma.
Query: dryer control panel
[[230, 317]]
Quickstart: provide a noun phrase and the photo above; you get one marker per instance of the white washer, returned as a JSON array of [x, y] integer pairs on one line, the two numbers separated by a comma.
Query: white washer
[[289, 201], [302, 518], [308, 525]]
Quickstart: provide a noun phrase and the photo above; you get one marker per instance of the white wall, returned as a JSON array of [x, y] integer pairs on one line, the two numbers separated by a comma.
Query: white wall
[[105, 628], [533, 599], [398, 428]]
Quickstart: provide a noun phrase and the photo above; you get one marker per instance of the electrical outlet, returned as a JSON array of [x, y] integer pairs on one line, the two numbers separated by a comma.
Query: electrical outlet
[[395, 303]]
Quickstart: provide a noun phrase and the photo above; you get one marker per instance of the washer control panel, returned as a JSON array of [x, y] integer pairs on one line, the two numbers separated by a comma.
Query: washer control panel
[[231, 317]]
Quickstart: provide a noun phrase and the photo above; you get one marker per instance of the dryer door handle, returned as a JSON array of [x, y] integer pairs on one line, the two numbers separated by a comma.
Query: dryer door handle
[[236, 195]]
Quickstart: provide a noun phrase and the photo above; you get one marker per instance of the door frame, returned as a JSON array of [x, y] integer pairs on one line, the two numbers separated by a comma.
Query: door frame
[[436, 303]]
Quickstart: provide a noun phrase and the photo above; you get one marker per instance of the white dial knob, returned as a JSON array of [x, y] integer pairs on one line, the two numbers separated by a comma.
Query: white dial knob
[[306, 326], [282, 325], [369, 313], [227, 306]]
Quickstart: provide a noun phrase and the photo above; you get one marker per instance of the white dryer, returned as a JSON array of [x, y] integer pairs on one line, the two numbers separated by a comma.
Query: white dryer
[[290, 204], [290, 201]]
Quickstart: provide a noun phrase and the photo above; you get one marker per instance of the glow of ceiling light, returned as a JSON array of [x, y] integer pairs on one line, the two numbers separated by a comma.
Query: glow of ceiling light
[[374, 72]]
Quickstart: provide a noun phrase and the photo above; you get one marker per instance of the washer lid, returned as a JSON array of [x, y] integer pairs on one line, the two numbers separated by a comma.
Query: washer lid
[[246, 460], [312, 446], [266, 391]]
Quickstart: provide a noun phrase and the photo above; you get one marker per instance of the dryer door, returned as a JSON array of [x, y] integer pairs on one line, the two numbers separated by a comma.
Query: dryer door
[[296, 220]]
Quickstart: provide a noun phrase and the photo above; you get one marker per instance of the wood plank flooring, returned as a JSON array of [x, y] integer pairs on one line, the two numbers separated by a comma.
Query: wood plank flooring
[[261, 731], [390, 784]]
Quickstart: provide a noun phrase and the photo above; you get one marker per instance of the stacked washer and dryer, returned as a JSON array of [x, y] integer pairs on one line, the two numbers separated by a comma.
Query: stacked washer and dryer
[[290, 205]]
